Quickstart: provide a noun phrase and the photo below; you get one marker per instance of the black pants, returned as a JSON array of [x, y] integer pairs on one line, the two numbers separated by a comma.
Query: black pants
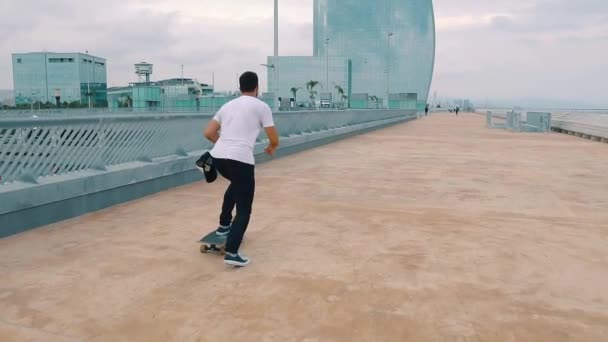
[[240, 194]]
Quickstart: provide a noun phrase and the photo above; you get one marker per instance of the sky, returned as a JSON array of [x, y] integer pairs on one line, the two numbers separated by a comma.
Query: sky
[[498, 50]]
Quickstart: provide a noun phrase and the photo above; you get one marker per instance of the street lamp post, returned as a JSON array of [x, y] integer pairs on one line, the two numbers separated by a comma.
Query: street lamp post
[[276, 55], [327, 62], [89, 85], [89, 78], [32, 99], [273, 66], [388, 70]]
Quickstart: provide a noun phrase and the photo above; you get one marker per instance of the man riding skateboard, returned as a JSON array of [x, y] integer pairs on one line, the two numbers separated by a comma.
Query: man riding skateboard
[[240, 121]]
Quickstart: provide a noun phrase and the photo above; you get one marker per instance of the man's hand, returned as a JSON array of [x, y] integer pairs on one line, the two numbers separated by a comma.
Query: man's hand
[[270, 150], [273, 137]]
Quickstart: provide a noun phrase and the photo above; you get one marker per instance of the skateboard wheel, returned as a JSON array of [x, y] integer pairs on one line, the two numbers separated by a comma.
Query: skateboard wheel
[[204, 249], [223, 250]]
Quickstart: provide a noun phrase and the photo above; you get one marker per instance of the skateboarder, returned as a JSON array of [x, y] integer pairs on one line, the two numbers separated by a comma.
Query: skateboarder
[[241, 121]]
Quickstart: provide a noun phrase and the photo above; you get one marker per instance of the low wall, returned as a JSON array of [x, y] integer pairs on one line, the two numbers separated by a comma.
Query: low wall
[[110, 160], [592, 126], [585, 125]]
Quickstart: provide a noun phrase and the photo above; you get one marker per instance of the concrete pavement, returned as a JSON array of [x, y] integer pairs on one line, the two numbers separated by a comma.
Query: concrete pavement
[[435, 230]]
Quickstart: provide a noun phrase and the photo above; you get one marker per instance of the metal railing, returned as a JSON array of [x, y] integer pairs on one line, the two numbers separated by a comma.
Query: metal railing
[[31, 148], [592, 123], [68, 112], [595, 125]]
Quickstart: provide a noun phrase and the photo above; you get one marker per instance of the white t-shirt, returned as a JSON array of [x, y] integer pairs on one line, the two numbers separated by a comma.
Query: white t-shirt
[[241, 121]]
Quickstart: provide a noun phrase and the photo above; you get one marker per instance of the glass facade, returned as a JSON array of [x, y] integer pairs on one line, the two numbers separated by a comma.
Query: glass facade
[[297, 72], [29, 78], [390, 45], [173, 95], [39, 77], [397, 36]]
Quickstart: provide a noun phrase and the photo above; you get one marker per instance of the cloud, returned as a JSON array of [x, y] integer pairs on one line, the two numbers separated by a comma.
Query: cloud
[[472, 22], [509, 49], [207, 37], [502, 22], [494, 48]]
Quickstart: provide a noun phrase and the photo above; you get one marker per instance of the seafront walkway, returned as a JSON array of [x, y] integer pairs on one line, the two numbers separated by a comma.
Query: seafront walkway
[[435, 230]]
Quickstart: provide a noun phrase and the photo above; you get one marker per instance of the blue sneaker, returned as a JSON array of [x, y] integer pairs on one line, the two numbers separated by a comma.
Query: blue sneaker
[[222, 231], [236, 260]]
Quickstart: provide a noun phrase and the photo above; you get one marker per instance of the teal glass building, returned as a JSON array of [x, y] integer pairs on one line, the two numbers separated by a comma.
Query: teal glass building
[[297, 71], [397, 36], [390, 45], [74, 77]]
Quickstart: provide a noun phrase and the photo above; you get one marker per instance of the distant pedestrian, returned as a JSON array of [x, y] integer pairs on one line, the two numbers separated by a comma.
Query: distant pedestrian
[[457, 110], [426, 110]]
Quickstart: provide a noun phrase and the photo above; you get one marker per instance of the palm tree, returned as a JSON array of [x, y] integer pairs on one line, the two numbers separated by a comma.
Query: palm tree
[[294, 92], [341, 92], [311, 89], [374, 99]]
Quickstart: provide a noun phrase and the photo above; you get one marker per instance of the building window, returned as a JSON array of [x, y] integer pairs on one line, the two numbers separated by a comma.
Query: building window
[[61, 60]]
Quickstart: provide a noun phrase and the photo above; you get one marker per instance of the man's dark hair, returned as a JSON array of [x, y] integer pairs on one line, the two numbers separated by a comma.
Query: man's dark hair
[[248, 82]]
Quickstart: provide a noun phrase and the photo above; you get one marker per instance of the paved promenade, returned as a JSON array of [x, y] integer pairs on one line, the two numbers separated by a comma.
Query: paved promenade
[[435, 230]]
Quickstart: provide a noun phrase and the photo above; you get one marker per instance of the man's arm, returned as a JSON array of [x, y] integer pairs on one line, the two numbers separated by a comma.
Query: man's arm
[[271, 131], [212, 131], [273, 136]]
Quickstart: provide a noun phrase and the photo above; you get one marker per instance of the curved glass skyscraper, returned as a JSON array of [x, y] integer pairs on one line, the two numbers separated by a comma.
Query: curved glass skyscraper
[[379, 36]]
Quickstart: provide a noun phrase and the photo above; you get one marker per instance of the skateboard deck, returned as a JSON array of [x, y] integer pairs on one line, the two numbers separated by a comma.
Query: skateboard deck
[[213, 243]]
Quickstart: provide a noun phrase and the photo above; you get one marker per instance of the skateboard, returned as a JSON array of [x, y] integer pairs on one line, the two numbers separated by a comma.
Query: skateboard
[[213, 243]]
